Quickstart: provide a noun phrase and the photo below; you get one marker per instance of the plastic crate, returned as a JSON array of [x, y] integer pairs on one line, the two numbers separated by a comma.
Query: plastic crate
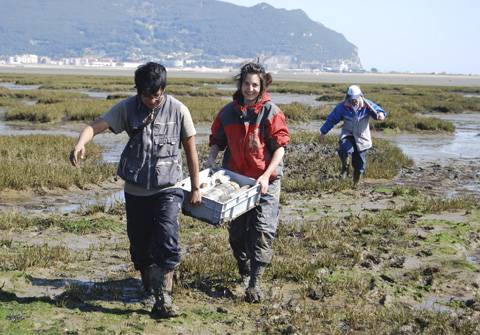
[[215, 212]]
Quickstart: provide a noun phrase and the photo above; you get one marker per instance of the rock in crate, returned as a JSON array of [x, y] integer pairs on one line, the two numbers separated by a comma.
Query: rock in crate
[[225, 196]]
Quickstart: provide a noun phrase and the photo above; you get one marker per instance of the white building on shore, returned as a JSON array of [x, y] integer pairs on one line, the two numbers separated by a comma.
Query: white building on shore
[[23, 59]]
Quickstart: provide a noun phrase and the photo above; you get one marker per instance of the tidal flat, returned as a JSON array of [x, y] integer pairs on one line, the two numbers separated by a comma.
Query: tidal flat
[[397, 255]]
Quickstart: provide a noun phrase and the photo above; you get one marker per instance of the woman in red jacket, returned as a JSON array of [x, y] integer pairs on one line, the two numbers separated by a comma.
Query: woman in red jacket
[[253, 133]]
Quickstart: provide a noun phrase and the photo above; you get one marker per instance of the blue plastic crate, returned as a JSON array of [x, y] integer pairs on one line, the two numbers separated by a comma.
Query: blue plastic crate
[[215, 212]]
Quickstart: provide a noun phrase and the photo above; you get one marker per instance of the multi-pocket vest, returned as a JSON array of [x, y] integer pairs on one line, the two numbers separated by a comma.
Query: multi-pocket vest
[[151, 158]]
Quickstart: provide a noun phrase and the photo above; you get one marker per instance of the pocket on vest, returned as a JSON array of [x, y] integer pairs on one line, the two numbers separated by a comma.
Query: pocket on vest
[[167, 173], [128, 169], [165, 147]]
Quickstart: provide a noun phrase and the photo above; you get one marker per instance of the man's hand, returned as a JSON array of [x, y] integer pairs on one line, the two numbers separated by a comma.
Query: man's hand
[[98, 126], [74, 155], [379, 116], [322, 138], [195, 197]]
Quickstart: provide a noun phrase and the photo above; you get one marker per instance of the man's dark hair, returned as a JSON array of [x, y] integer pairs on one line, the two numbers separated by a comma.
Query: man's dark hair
[[149, 78], [254, 68]]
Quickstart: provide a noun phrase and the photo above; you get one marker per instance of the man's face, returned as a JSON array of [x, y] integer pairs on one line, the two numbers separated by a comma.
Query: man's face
[[154, 100], [355, 102]]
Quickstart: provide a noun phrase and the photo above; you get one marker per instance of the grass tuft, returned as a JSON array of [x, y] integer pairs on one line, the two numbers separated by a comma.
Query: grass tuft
[[41, 161]]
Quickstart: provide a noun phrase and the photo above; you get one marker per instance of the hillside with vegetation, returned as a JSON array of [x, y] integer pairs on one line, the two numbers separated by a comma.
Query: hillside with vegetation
[[204, 30]]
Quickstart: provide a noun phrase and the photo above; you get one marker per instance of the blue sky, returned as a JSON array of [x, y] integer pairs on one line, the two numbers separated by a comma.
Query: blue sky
[[401, 35]]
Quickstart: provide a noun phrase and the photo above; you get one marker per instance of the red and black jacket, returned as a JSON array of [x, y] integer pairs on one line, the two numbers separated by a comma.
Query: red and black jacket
[[250, 135]]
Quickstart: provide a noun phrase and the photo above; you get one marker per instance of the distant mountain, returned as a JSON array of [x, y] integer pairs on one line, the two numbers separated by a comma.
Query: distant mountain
[[201, 32]]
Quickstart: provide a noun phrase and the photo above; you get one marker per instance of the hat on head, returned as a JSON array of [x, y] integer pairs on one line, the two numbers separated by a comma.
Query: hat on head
[[354, 92]]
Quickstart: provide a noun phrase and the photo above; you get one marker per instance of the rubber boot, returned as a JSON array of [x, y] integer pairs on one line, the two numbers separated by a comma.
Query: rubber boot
[[244, 270], [147, 299], [345, 169], [357, 175], [254, 293], [162, 283]]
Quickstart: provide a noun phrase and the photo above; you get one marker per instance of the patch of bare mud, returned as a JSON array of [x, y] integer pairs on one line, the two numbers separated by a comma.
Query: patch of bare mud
[[453, 178], [446, 281], [453, 217], [62, 200], [339, 204], [98, 260]]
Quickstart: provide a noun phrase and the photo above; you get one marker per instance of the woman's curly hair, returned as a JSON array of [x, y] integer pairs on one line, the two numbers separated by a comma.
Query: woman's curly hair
[[253, 68]]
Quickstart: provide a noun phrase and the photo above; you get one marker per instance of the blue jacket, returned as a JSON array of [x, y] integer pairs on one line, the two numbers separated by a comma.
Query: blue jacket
[[354, 123]]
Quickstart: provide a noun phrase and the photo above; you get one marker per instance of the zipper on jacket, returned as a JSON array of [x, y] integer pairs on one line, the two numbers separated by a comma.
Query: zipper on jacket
[[149, 155], [246, 122]]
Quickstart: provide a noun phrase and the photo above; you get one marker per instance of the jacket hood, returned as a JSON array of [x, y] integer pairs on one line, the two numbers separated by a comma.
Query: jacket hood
[[238, 101]]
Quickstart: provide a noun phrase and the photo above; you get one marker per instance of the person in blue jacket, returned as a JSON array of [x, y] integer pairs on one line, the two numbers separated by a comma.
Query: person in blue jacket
[[355, 138]]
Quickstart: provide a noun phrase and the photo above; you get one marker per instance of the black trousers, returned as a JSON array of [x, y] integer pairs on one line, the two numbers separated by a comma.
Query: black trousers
[[152, 227]]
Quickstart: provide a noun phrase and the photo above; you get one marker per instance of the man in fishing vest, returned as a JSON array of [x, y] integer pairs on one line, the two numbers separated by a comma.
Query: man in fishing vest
[[157, 125]]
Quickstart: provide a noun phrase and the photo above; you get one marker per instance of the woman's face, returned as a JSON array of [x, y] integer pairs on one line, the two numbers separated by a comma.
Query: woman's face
[[251, 87], [152, 101]]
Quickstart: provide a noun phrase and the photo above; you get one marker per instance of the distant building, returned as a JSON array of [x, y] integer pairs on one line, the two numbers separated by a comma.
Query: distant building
[[23, 59], [131, 64]]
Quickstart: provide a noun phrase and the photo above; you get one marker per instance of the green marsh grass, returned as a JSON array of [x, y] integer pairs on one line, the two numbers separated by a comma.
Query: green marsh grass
[[405, 104], [414, 99], [302, 113], [71, 82], [71, 106], [117, 208], [359, 317], [303, 249], [97, 83], [311, 166], [41, 161], [208, 260], [88, 223], [404, 191], [71, 110], [24, 257], [203, 109], [437, 205], [42, 96], [196, 91]]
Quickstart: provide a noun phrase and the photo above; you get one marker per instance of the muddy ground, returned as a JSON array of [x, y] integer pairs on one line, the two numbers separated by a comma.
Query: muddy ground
[[421, 274], [97, 290]]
